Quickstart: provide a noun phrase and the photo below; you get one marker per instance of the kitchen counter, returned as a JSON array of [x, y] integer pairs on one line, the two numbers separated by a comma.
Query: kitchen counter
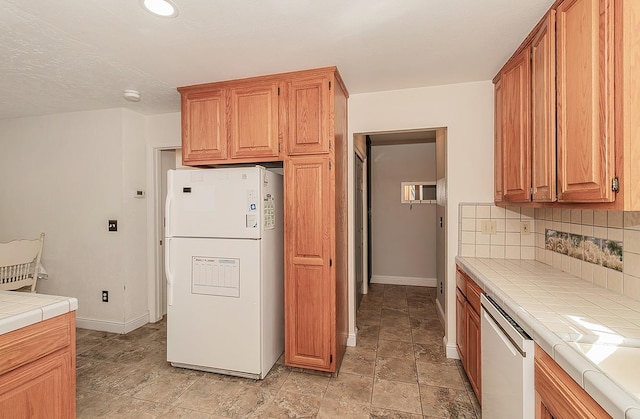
[[20, 309], [591, 332], [38, 355]]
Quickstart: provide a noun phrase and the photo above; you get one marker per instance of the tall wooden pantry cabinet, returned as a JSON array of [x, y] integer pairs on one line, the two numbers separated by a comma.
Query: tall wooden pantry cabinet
[[300, 119]]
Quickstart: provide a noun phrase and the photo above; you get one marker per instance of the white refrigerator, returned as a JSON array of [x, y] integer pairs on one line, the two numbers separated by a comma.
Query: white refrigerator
[[225, 269]]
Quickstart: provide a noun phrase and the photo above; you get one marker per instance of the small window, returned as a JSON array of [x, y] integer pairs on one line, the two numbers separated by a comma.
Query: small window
[[418, 193]]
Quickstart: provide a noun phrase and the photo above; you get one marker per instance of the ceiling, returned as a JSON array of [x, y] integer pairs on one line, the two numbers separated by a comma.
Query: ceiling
[[61, 56]]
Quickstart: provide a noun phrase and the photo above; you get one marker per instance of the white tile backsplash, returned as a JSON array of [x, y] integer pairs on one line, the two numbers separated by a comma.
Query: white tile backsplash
[[483, 211], [509, 243], [600, 218], [632, 220], [615, 219]]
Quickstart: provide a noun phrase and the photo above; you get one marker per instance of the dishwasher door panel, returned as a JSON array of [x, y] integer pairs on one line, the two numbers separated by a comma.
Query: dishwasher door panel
[[507, 375]]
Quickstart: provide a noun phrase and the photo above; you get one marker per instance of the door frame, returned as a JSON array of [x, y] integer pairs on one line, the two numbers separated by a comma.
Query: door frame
[[365, 229], [440, 130], [156, 311]]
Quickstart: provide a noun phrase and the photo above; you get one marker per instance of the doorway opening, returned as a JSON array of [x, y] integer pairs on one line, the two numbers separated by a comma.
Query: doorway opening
[[399, 231], [164, 159]]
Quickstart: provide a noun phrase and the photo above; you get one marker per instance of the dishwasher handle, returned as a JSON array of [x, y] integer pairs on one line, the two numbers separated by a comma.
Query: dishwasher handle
[[507, 325], [501, 333]]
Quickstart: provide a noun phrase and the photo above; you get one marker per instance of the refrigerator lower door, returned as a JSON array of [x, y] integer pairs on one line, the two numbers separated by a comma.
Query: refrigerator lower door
[[213, 313]]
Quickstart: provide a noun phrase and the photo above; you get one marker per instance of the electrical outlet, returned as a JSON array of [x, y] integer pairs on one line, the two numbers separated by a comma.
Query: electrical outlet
[[488, 227], [105, 296], [525, 227]]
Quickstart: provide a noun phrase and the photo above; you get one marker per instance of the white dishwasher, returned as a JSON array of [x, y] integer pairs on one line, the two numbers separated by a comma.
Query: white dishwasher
[[507, 365]]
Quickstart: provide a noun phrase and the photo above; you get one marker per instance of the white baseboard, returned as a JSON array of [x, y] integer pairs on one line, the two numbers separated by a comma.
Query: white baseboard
[[111, 326], [351, 339], [451, 350], [403, 280]]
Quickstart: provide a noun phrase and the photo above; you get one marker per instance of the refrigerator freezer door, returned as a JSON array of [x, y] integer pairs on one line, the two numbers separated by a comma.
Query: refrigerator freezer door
[[225, 202], [214, 321]]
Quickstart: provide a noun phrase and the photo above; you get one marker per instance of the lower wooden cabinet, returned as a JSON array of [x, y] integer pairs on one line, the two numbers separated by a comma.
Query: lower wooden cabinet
[[461, 325], [558, 395], [474, 366], [468, 331], [315, 311], [38, 370]]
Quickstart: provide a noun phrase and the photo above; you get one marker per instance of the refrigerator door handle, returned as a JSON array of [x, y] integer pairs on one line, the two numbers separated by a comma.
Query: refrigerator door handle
[[167, 267], [167, 217]]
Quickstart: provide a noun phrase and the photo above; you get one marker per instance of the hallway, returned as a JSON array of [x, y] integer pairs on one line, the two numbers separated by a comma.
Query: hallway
[[400, 345], [398, 370]]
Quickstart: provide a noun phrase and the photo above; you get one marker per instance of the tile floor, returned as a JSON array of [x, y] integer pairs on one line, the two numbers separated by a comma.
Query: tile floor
[[398, 370]]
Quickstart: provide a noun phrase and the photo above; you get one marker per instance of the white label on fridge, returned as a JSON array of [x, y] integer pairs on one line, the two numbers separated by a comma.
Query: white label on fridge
[[215, 276], [268, 207]]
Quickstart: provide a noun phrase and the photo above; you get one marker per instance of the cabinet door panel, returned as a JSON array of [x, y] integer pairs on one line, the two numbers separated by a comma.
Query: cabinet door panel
[[204, 127], [308, 121], [516, 158], [558, 395], [254, 120], [41, 389], [586, 163], [308, 285], [461, 327], [474, 358], [543, 104], [308, 321], [497, 145]]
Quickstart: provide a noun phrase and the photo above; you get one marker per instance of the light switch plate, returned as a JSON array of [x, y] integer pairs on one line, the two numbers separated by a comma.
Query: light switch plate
[[488, 227]]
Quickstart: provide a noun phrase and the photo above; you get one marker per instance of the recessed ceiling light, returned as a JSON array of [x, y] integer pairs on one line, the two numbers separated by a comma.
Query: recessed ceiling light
[[164, 8]]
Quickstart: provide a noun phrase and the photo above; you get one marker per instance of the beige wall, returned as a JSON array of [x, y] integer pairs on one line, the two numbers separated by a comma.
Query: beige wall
[[403, 235], [66, 175]]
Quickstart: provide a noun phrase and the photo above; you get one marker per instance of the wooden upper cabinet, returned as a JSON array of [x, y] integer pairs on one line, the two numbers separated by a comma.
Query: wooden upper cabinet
[[204, 126], [497, 143], [585, 120], [516, 139], [309, 109], [627, 99], [309, 288], [231, 122], [593, 113], [543, 110], [254, 120]]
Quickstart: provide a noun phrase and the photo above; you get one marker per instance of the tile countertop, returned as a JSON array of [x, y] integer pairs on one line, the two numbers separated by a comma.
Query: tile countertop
[[20, 309], [591, 332]]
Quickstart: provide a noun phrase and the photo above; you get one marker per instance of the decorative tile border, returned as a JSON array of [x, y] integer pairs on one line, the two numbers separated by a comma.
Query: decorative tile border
[[604, 252]]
